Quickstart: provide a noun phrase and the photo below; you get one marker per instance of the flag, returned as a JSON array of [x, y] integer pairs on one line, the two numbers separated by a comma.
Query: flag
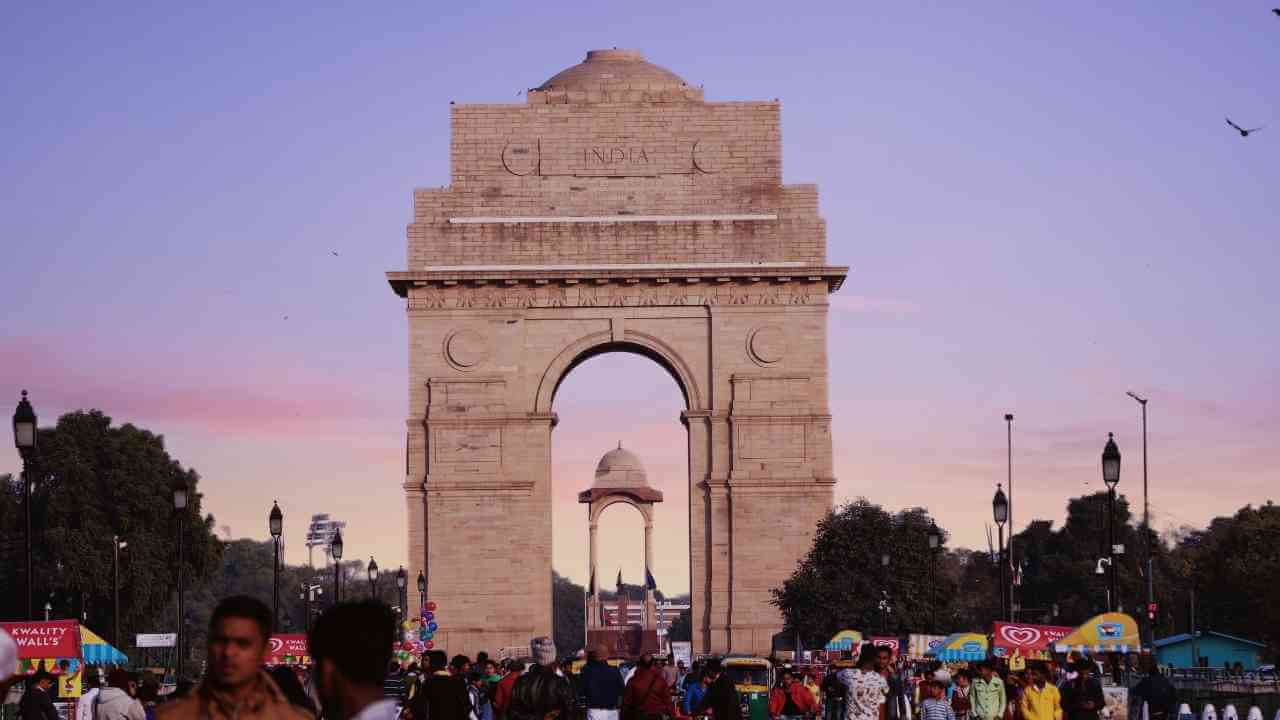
[[649, 582], [619, 584]]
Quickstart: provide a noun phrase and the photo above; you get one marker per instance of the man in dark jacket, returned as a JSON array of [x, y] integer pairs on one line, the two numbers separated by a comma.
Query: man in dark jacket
[[721, 697], [602, 688], [36, 704], [1082, 696], [443, 696], [1157, 692]]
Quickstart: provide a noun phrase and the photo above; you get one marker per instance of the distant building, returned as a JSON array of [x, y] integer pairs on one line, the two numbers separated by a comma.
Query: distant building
[[666, 613], [1210, 649], [319, 534]]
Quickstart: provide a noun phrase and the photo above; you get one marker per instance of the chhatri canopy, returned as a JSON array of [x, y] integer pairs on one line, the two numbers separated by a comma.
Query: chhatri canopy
[[1108, 632], [956, 647]]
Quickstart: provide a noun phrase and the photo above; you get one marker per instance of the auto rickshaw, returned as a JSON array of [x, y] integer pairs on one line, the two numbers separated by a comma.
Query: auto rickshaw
[[753, 678]]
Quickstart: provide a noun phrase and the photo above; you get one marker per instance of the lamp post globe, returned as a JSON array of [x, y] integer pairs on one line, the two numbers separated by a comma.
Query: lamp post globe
[[1000, 506], [402, 578], [373, 577], [24, 438], [1111, 462], [275, 521], [402, 582], [24, 426], [935, 535]]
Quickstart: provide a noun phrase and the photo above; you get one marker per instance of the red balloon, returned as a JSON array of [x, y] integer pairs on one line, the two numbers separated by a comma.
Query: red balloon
[[430, 644], [407, 646], [431, 606]]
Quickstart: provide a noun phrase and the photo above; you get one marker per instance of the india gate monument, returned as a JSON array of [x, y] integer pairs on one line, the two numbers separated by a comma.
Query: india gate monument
[[615, 210]]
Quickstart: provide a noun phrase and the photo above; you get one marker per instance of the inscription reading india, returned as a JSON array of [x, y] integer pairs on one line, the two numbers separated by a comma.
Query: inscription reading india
[[615, 155]]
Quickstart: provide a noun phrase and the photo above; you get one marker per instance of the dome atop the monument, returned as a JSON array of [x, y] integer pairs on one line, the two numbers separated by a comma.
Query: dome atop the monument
[[620, 468], [621, 75]]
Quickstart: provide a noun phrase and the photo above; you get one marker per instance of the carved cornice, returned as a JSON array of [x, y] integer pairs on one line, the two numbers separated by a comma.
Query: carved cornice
[[637, 293], [548, 278]]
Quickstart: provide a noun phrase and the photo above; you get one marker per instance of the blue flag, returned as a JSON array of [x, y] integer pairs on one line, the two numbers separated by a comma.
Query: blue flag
[[649, 581]]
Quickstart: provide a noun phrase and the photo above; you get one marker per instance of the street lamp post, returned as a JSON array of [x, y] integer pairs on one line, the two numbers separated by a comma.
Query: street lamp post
[[373, 578], [335, 549], [422, 591], [1146, 522], [180, 490], [935, 540], [24, 438], [1111, 476], [1000, 511], [116, 546], [1008, 421], [275, 522], [402, 581]]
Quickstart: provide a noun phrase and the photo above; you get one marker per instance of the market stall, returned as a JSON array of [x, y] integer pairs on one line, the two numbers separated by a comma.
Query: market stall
[[961, 647], [844, 641], [1029, 642], [919, 645], [1106, 633], [288, 650]]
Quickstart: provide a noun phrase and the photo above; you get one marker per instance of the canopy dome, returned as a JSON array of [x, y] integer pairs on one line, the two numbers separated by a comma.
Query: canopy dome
[[615, 76], [620, 468]]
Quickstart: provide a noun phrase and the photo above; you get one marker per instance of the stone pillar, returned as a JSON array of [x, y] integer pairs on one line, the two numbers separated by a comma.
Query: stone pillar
[[650, 602], [593, 602]]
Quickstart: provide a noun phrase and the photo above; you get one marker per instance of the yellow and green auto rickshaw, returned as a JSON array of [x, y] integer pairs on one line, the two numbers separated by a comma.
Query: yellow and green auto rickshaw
[[753, 677]]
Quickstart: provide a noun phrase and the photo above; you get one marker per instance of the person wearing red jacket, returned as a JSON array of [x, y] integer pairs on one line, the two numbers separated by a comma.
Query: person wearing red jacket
[[502, 693], [791, 699], [647, 696]]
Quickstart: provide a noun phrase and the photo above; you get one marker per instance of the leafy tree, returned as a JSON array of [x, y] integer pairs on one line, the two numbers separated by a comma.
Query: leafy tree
[[843, 582], [1234, 569], [681, 629], [93, 481], [569, 614]]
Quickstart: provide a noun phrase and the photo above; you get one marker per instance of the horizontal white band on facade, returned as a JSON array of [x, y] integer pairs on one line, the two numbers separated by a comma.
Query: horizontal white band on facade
[[606, 219], [589, 268]]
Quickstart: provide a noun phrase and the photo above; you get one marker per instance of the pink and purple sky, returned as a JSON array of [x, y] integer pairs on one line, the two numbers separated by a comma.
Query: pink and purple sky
[[1041, 203]]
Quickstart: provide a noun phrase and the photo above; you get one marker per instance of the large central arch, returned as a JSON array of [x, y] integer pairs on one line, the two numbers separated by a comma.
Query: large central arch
[[607, 217]]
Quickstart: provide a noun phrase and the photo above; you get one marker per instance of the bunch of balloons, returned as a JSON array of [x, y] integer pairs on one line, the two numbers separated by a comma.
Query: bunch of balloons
[[418, 636]]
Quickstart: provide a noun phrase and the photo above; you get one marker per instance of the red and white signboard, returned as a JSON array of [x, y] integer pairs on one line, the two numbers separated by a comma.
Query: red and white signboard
[[51, 639], [894, 644], [1029, 641], [288, 650]]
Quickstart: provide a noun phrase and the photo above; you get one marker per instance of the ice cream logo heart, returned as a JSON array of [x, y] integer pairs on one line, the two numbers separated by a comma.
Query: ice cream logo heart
[[1020, 635], [276, 645]]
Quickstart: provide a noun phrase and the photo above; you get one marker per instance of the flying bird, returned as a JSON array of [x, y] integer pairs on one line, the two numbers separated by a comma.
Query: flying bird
[[333, 253], [1276, 11], [1243, 132]]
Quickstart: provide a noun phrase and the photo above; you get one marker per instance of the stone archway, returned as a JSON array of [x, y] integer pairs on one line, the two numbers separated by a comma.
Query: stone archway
[[571, 229]]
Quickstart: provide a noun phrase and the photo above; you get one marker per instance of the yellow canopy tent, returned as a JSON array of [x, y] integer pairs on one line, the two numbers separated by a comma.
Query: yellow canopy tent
[[1105, 633]]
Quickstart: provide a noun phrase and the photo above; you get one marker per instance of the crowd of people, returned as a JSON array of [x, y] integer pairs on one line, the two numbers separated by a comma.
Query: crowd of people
[[352, 677]]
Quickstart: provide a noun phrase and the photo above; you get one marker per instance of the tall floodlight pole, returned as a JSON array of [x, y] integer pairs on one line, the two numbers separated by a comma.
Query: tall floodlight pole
[[1146, 522], [275, 523], [1000, 513], [1111, 476], [24, 438]]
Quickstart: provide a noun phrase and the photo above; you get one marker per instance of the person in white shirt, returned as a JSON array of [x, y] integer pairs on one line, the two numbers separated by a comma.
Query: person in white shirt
[[350, 649], [84, 707]]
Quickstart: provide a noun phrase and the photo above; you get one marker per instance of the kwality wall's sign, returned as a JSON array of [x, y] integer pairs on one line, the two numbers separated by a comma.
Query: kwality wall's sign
[[288, 650], [51, 639]]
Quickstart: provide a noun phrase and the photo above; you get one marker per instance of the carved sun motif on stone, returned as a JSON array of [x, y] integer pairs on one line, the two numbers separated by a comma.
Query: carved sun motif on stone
[[466, 349], [767, 344]]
